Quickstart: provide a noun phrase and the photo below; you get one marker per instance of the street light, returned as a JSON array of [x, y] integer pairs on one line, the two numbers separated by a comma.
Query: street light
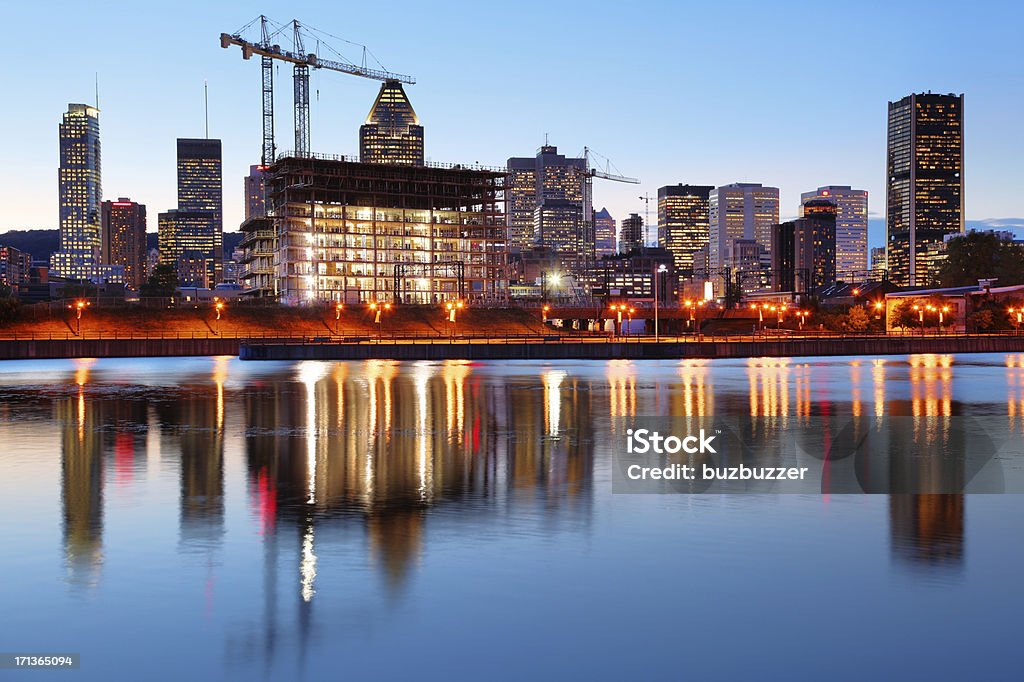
[[1020, 314], [379, 309], [630, 316], [544, 313], [618, 309], [657, 276], [453, 307], [920, 317], [944, 309], [78, 307], [338, 307], [218, 306], [802, 314], [782, 313]]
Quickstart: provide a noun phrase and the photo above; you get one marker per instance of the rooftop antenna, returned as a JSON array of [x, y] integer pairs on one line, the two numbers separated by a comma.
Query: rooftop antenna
[[206, 107], [97, 89]]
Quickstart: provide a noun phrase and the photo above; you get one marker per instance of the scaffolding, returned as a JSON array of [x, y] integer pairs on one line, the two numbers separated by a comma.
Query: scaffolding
[[360, 232]]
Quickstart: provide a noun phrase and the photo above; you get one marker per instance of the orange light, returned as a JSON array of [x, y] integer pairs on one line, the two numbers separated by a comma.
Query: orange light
[[856, 292], [387, 306], [461, 305], [373, 306]]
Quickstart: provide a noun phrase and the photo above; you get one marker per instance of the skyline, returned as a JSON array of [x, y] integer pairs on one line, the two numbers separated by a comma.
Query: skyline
[[788, 144]]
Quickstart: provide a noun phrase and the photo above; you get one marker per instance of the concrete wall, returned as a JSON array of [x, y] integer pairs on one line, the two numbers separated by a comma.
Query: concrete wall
[[634, 350], [114, 348]]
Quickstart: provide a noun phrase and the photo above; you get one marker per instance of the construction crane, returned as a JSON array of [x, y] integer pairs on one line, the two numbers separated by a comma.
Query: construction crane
[[303, 61], [590, 172]]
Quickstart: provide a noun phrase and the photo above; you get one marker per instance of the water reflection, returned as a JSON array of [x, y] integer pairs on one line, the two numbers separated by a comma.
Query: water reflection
[[371, 459]]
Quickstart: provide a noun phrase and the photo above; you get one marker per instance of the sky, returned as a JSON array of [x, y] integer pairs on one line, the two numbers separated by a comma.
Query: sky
[[788, 94]]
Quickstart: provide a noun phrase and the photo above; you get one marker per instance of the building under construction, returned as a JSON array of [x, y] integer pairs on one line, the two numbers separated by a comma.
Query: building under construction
[[341, 230]]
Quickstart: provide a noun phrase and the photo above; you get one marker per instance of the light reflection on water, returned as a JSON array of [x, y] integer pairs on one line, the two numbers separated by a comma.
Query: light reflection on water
[[273, 517]]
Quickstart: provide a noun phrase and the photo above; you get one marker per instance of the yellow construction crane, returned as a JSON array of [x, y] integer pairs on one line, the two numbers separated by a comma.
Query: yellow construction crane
[[303, 61]]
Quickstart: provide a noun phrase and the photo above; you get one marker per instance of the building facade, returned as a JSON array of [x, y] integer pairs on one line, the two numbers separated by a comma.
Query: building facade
[[255, 192], [346, 231], [188, 239], [604, 234], [683, 223], [804, 250], [631, 276], [879, 269], [79, 193], [392, 132], [123, 225], [924, 181], [15, 267], [548, 204], [187, 242], [741, 211], [631, 234], [851, 228]]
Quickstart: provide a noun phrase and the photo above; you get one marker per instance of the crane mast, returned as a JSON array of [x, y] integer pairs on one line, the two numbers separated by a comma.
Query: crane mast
[[302, 63]]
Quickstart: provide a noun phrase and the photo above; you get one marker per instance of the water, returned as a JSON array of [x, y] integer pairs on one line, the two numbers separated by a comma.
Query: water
[[211, 519]]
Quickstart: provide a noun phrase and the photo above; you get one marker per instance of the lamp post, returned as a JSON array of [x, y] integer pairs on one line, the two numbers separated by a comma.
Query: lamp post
[[453, 307], [782, 314], [802, 314], [379, 309], [760, 314], [618, 310], [942, 311], [78, 307], [920, 317], [657, 276], [338, 307], [630, 316], [218, 306], [544, 313], [1020, 315]]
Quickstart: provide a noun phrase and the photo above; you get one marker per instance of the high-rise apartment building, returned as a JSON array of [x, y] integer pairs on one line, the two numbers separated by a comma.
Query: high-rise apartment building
[[924, 181], [631, 236], [194, 232], [851, 228], [683, 223], [79, 193], [548, 205], [604, 234], [124, 239], [804, 250], [392, 132], [14, 267], [741, 211]]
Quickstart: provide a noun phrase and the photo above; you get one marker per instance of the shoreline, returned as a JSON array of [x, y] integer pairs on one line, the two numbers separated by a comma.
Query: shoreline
[[505, 348]]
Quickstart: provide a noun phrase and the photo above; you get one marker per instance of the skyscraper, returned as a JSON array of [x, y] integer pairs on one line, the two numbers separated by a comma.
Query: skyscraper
[[631, 237], [604, 233], [924, 181], [124, 239], [79, 195], [851, 228], [804, 250], [548, 205], [392, 132], [741, 211], [683, 223], [200, 196]]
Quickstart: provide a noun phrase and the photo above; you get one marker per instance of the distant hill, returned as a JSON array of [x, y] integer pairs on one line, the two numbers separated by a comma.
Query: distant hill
[[41, 243]]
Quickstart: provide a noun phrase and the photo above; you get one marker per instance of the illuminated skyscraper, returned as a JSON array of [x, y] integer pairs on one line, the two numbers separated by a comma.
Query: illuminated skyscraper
[[631, 237], [604, 234], [191, 237], [79, 193], [741, 211], [548, 205], [124, 239], [392, 132], [683, 223], [924, 181], [851, 228]]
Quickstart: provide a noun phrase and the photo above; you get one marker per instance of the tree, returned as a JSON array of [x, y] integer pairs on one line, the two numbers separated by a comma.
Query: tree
[[10, 306], [161, 283], [982, 255], [857, 320]]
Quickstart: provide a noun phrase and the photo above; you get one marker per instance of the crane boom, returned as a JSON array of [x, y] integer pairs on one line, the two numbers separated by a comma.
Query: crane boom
[[610, 176], [309, 59]]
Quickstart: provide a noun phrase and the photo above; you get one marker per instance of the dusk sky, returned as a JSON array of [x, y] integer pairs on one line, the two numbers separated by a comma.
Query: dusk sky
[[788, 94]]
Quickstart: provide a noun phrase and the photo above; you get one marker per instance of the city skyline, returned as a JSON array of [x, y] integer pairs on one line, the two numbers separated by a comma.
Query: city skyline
[[713, 152]]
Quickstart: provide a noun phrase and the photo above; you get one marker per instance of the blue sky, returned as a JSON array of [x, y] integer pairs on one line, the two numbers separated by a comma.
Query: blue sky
[[791, 94]]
